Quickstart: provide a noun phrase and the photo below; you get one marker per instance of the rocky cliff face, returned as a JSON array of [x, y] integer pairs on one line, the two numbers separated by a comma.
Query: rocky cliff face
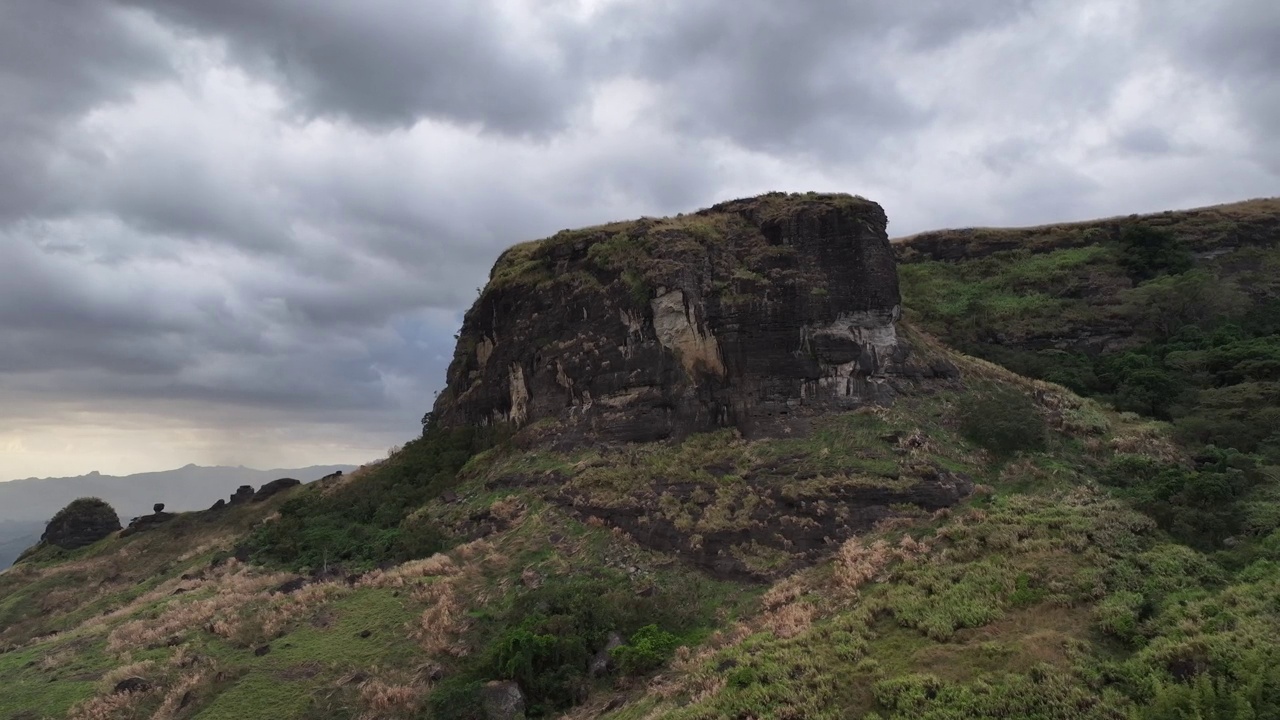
[[738, 315]]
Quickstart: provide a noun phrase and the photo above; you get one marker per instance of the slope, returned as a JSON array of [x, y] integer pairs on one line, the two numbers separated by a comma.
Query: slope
[[1174, 316]]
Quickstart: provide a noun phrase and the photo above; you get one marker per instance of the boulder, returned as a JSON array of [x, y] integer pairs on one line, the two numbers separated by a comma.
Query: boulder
[[502, 700], [82, 522], [132, 685], [242, 495], [602, 662], [274, 487], [147, 522]]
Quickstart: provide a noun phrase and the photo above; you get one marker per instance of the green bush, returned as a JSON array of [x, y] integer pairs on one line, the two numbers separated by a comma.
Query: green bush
[[545, 638], [1120, 614], [1200, 506], [367, 522], [1003, 421], [1147, 252], [647, 650]]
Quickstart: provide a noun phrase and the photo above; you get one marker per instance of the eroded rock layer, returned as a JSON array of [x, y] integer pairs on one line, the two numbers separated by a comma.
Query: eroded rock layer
[[736, 315]]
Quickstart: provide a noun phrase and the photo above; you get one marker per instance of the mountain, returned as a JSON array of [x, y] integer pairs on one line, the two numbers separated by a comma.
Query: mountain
[[732, 465], [25, 505], [16, 536]]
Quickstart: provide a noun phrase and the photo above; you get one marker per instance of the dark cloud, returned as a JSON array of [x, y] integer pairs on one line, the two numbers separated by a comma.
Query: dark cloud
[[57, 60], [1233, 46], [262, 220], [391, 62]]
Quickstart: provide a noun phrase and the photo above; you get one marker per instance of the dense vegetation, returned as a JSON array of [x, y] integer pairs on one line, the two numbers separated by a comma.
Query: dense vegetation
[[357, 525], [1133, 318]]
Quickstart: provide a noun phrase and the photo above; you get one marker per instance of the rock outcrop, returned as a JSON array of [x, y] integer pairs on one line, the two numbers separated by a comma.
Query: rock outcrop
[[243, 494], [82, 522], [147, 522], [737, 315], [274, 487]]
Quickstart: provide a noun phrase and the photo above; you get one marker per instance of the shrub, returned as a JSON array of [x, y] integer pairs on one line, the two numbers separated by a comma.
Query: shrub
[[648, 649], [1004, 422], [1118, 615], [1147, 252], [366, 522]]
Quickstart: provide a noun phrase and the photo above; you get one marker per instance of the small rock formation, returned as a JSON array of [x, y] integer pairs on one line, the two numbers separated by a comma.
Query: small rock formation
[[602, 662], [147, 522], [132, 685], [158, 508], [502, 700], [274, 487], [82, 522], [732, 316], [242, 495]]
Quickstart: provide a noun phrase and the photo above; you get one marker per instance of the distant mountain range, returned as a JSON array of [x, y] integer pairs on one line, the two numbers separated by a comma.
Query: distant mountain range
[[26, 505]]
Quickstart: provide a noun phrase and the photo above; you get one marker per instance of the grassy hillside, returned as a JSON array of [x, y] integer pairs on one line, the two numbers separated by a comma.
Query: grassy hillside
[[400, 591], [1174, 316]]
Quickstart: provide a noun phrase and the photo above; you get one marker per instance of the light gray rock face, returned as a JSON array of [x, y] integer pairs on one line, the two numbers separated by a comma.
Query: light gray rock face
[[502, 700]]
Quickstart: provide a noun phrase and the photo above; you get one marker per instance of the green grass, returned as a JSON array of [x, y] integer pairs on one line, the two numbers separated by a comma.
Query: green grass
[[259, 694]]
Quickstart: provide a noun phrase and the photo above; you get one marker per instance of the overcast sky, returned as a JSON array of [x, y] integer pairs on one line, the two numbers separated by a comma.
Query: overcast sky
[[244, 231]]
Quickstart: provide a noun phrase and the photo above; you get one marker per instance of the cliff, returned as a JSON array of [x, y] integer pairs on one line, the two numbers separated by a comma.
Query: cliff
[[737, 315]]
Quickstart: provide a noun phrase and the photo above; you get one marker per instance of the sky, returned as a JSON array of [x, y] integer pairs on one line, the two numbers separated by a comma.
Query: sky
[[245, 231]]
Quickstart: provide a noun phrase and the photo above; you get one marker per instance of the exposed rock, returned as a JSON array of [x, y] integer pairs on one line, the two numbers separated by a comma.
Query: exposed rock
[[502, 700], [219, 505], [732, 316], [158, 507], [147, 522], [602, 661], [803, 524], [262, 650], [242, 495], [82, 522], [274, 487], [132, 685], [290, 586]]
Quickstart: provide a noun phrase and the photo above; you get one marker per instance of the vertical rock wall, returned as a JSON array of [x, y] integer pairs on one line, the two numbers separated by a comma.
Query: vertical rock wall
[[732, 316]]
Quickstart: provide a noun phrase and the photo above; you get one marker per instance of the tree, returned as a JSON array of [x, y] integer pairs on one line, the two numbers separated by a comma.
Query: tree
[[1147, 252]]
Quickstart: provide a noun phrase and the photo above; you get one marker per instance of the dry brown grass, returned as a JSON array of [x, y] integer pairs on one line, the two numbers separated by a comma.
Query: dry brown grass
[[106, 707], [391, 699], [857, 563], [1148, 439], [133, 669], [178, 692], [444, 619], [235, 588], [510, 509], [410, 573], [59, 657], [789, 620]]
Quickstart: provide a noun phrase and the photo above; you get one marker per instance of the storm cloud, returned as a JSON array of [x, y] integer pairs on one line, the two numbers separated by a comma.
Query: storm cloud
[[245, 231]]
